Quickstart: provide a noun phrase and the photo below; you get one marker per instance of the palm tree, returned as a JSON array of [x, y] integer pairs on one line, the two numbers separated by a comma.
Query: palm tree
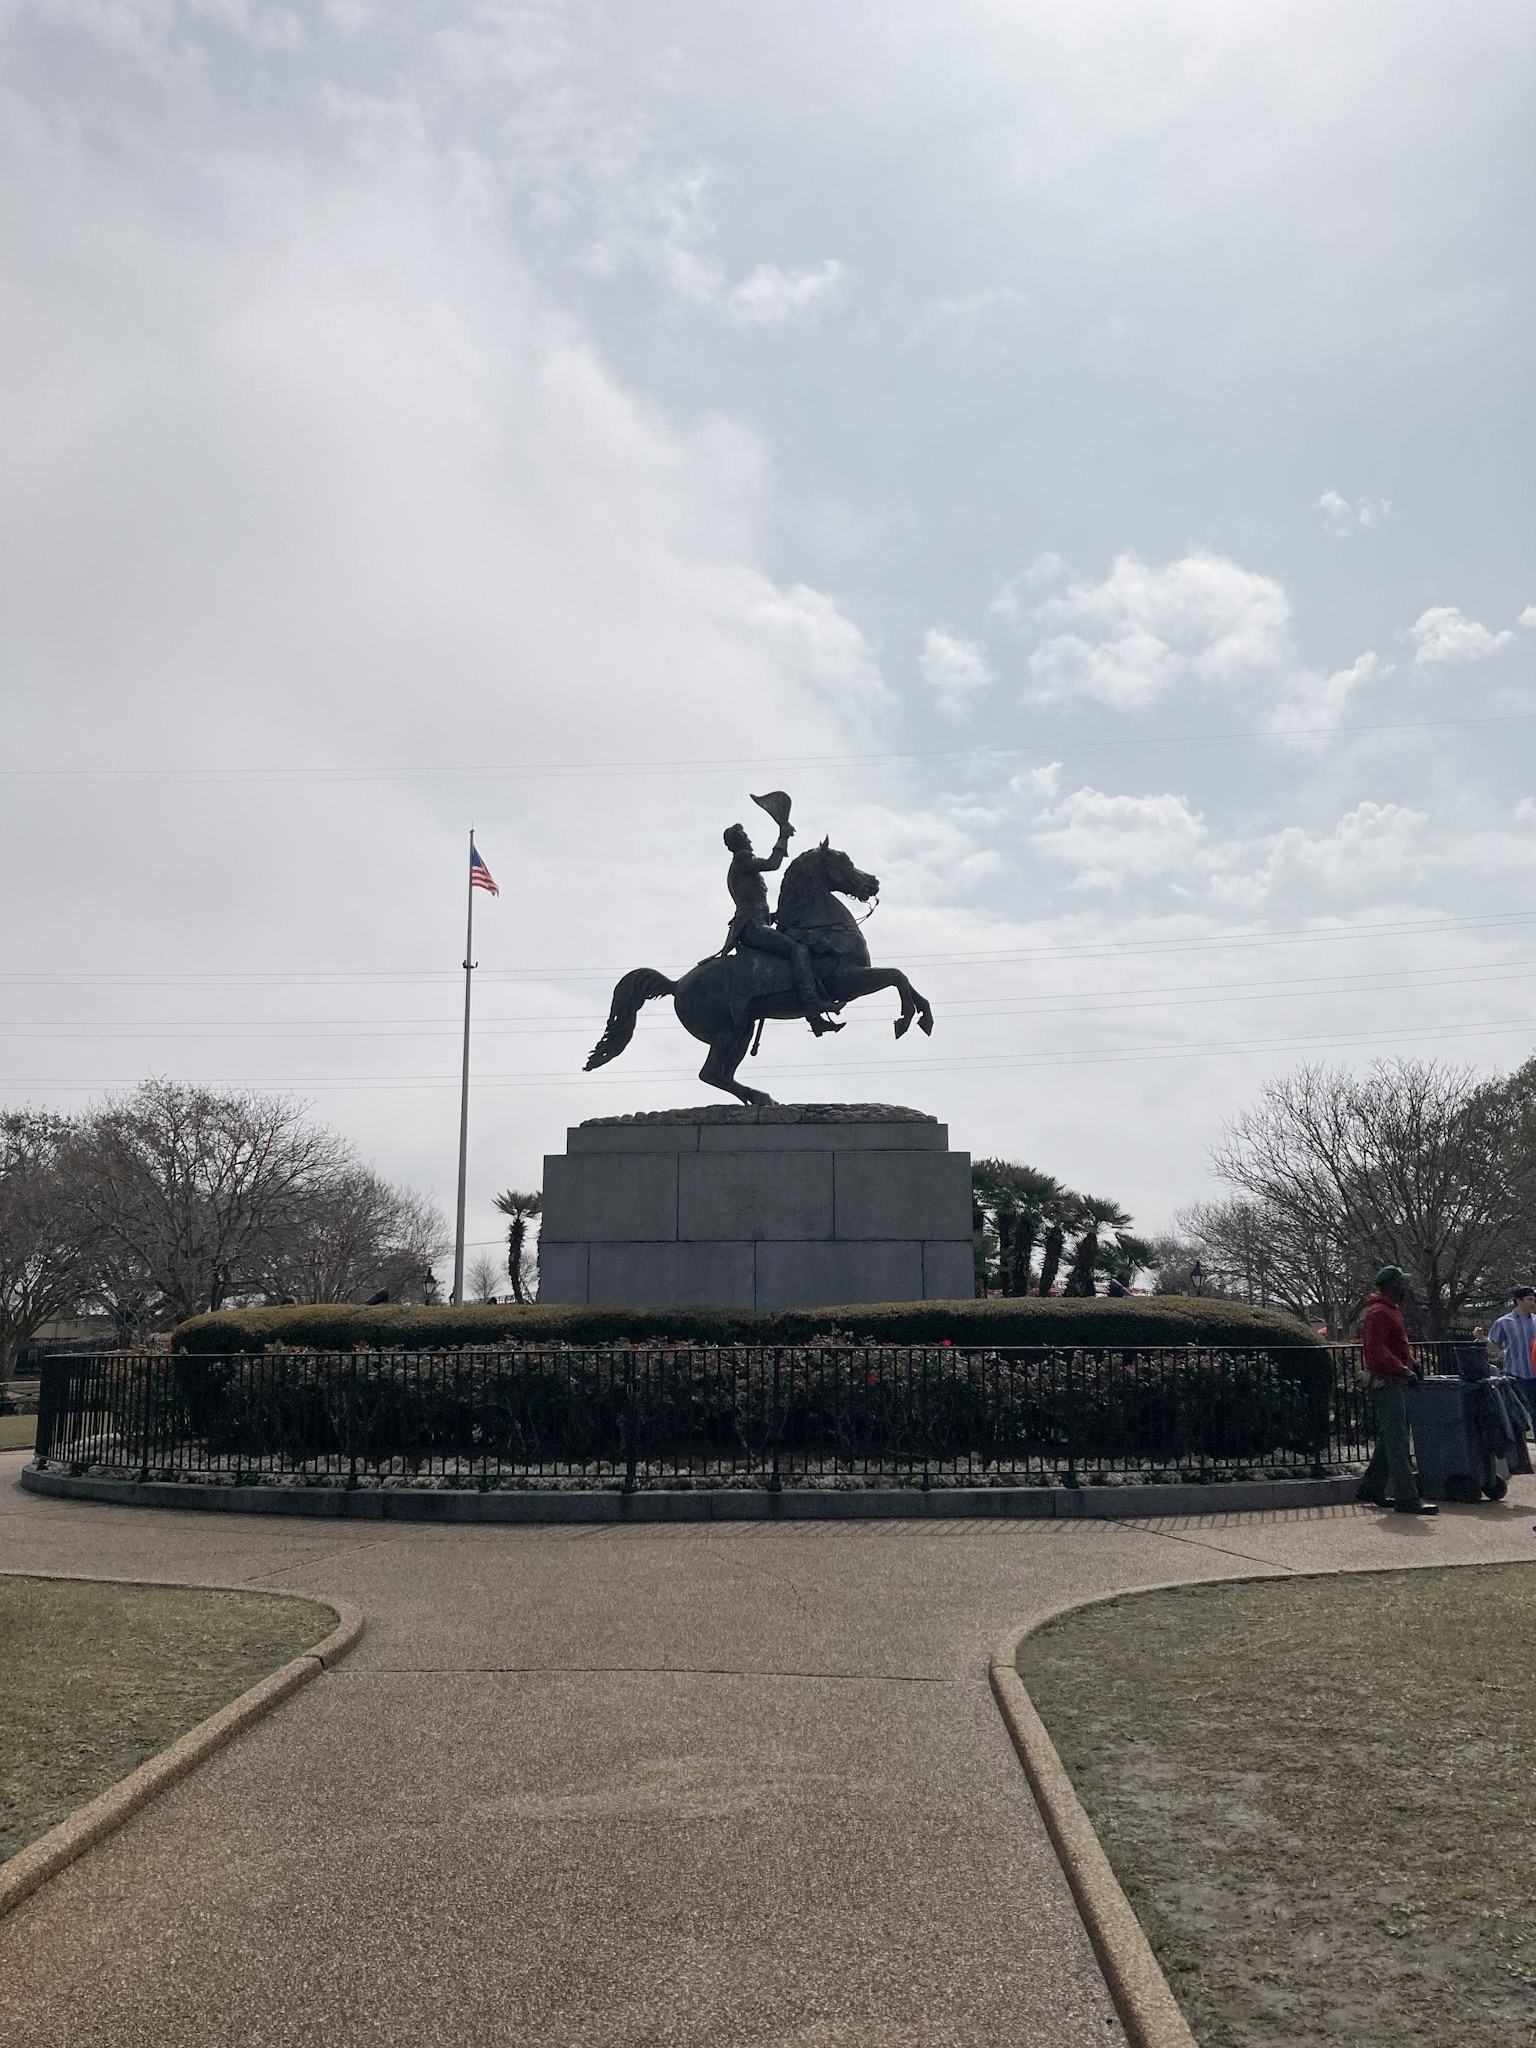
[[1015, 1207], [1009, 1200], [1126, 1258], [1094, 1218], [521, 1208], [1060, 1214], [1035, 1192]]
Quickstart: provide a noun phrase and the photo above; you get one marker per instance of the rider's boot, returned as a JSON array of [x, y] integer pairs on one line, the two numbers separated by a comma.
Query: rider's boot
[[814, 1003]]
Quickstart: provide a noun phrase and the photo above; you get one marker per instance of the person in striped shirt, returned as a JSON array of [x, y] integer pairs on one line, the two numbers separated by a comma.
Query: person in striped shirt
[[1515, 1335]]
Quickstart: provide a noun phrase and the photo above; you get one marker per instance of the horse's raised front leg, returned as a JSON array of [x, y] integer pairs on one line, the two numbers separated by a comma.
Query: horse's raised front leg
[[719, 1070], [866, 981]]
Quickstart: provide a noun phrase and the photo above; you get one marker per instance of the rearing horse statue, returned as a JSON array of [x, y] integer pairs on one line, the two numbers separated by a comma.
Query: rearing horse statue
[[726, 998]]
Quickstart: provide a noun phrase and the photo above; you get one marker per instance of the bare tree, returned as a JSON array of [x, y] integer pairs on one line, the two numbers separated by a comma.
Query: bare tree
[[484, 1277], [1171, 1259], [521, 1263], [185, 1190], [1413, 1164], [45, 1247], [345, 1237], [1270, 1257], [1518, 1107]]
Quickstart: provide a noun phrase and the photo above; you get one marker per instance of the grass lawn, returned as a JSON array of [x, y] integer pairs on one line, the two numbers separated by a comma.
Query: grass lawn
[[17, 1432], [1319, 1796], [95, 1679]]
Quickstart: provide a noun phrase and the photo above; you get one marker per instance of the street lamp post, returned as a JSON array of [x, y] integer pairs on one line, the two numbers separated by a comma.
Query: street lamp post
[[1197, 1277]]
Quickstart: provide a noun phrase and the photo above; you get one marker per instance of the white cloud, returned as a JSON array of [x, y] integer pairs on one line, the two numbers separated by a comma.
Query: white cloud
[[663, 224], [1336, 513], [957, 671], [1528, 616], [1369, 847], [963, 318], [1341, 518], [770, 297], [1037, 784], [1202, 620], [1130, 638], [1043, 570], [924, 853], [1444, 634], [1319, 701], [812, 641], [1110, 839]]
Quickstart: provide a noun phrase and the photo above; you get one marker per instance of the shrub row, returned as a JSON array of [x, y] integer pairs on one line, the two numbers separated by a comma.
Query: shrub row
[[1156, 1320], [548, 1409]]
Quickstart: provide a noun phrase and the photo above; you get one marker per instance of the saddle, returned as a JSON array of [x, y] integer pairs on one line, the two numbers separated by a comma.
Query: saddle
[[752, 977]]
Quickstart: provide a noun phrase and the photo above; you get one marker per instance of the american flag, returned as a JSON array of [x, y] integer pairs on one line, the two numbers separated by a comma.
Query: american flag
[[479, 873]]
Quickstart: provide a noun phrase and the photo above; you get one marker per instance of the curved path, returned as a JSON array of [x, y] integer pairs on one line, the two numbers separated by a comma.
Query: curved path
[[679, 1784]]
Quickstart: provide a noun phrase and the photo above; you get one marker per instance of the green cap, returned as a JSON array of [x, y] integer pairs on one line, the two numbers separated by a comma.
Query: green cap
[[1392, 1276]]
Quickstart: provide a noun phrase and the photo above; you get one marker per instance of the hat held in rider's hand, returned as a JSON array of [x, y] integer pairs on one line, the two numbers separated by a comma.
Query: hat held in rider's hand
[[776, 804]]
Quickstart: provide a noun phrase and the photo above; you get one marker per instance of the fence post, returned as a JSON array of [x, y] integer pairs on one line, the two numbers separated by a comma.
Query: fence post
[[1069, 1478], [1317, 1415], [1338, 1405], [144, 1431], [775, 1483], [352, 1419], [629, 1422], [48, 1405]]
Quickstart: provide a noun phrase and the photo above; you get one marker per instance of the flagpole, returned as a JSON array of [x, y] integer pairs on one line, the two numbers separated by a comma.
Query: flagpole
[[469, 968]]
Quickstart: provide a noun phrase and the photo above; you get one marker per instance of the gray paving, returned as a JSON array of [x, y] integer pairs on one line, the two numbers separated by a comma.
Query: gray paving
[[674, 1784]]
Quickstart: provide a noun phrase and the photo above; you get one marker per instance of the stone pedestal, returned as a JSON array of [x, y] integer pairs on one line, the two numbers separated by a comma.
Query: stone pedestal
[[800, 1205]]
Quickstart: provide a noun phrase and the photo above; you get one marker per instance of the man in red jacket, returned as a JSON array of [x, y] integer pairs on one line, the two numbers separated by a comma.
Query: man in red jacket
[[1389, 1364]]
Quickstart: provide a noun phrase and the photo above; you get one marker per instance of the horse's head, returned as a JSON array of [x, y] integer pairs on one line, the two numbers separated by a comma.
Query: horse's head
[[820, 872], [839, 873]]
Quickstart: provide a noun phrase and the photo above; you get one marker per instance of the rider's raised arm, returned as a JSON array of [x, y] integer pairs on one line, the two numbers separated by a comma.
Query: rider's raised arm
[[770, 861]]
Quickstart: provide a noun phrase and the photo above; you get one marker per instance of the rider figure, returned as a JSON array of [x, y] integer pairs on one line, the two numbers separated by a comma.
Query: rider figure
[[752, 926]]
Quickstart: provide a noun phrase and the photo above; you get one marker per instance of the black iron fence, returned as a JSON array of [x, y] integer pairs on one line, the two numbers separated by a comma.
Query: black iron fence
[[669, 1416]]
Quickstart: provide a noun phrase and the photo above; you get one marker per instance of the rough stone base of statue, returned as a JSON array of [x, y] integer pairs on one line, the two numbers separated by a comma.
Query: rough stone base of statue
[[793, 1205]]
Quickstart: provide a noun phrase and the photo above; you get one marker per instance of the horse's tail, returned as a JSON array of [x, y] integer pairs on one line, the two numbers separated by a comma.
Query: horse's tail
[[637, 987]]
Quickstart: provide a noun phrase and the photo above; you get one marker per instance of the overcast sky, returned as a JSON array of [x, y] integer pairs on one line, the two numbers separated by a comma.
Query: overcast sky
[[1083, 453]]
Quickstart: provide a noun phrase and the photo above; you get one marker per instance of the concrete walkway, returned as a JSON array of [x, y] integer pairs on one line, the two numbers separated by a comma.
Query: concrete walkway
[[677, 1784]]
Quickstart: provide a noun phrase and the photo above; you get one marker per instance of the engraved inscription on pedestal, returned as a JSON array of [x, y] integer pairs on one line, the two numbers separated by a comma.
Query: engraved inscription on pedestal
[[784, 1206]]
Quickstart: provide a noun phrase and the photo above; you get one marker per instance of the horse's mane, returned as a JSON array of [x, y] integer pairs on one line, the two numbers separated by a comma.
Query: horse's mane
[[802, 878]]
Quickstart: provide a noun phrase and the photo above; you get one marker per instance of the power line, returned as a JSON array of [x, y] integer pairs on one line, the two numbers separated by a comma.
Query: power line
[[981, 1062], [220, 773], [1097, 1002], [1114, 949]]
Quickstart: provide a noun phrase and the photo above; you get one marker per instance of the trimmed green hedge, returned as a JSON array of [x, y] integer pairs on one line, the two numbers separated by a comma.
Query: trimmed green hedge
[[683, 1412], [1156, 1319]]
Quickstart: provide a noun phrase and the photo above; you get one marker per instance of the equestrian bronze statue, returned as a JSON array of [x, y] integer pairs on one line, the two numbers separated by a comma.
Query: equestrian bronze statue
[[807, 958]]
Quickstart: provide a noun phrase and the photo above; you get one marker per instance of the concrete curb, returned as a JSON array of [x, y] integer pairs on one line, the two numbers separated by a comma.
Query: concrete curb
[[1148, 2010], [725, 1504], [23, 1873]]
